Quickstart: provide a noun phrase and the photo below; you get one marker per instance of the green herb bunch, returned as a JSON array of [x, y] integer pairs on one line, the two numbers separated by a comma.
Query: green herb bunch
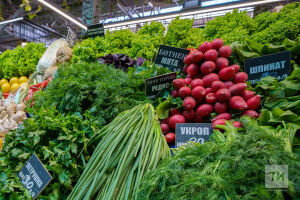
[[232, 167], [97, 89], [57, 140]]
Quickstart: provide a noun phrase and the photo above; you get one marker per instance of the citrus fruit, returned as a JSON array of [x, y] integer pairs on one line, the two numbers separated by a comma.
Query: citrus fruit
[[14, 80], [3, 81], [23, 79], [1, 143], [5, 88], [15, 86]]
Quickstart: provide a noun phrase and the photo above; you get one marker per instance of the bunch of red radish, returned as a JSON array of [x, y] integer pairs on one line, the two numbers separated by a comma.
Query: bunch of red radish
[[211, 85]]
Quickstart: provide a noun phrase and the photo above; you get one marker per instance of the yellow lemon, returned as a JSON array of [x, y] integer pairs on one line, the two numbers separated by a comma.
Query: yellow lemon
[[14, 80], [15, 86], [5, 88], [23, 79], [3, 81], [1, 143]]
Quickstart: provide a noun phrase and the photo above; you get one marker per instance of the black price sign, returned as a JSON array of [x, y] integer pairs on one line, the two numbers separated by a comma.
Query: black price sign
[[34, 177], [277, 65], [157, 85], [95, 30], [194, 132], [71, 37], [171, 57]]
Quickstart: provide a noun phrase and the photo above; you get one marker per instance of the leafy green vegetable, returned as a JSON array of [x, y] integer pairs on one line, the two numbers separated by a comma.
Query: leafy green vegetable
[[231, 167], [276, 27], [21, 61], [57, 140], [97, 89]]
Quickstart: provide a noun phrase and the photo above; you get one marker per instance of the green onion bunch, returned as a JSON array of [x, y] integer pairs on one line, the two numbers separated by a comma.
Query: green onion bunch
[[130, 146]]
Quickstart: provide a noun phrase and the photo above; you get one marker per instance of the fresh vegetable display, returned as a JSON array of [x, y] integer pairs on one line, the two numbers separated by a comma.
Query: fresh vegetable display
[[212, 85], [86, 116], [232, 166], [131, 145], [21, 61]]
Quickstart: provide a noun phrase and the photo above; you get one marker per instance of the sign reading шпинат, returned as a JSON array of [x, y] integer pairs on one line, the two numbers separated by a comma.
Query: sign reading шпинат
[[277, 65], [194, 132], [171, 57]]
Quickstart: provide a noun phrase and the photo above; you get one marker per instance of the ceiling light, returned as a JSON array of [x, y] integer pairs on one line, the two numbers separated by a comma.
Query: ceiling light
[[195, 12], [63, 14], [12, 20]]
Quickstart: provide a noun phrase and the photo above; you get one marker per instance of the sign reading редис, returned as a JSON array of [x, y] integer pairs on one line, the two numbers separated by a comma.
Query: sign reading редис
[[277, 65], [155, 86], [34, 176], [195, 132], [171, 57]]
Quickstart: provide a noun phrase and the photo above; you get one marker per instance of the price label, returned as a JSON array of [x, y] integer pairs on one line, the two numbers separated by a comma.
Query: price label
[[34, 176], [156, 86], [277, 65], [194, 132], [171, 57]]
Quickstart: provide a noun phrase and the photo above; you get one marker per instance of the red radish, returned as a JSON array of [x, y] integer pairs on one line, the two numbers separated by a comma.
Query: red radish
[[204, 110], [238, 89], [211, 55], [226, 116], [188, 76], [217, 43], [209, 79], [170, 138], [223, 95], [188, 60], [228, 84], [218, 122], [238, 103], [216, 85], [193, 69], [225, 51], [165, 128], [184, 70], [176, 119], [207, 67], [250, 113], [196, 82], [227, 73], [208, 90], [240, 77], [184, 92], [247, 94], [198, 119], [204, 47], [197, 56], [221, 63], [178, 83], [254, 102], [188, 81], [174, 111], [237, 124], [198, 92], [174, 93], [189, 115], [189, 103], [210, 98], [220, 107], [165, 121], [236, 68]]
